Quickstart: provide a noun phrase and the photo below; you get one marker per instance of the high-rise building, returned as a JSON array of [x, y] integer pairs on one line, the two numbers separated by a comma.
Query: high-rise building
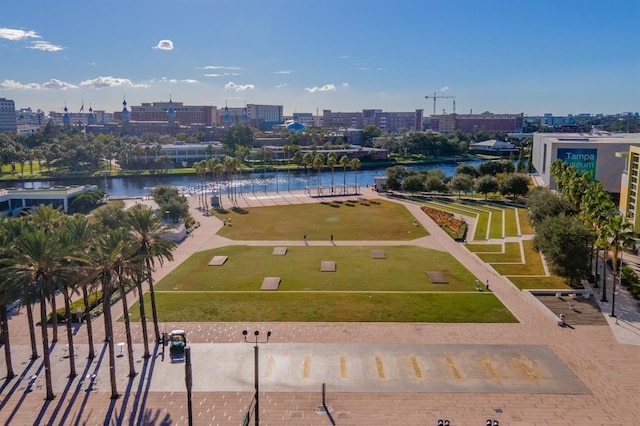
[[391, 122], [173, 112], [341, 120], [8, 121], [487, 121], [266, 113]]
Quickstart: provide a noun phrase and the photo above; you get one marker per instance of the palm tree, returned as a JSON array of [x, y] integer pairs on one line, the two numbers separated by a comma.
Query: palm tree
[[595, 208], [80, 233], [37, 261], [106, 262], [217, 170], [355, 165], [307, 160], [145, 227], [8, 294], [318, 163], [48, 219], [128, 266], [229, 165], [344, 162], [332, 159], [12, 228], [241, 152], [617, 233], [201, 169]]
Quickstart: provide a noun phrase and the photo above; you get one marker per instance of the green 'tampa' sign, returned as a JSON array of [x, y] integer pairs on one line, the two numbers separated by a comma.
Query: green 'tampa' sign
[[584, 160]]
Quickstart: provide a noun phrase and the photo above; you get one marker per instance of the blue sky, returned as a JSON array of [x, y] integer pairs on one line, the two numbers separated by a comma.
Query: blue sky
[[562, 56]]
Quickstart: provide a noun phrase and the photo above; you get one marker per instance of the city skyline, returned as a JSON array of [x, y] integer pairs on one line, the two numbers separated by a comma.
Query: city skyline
[[502, 56]]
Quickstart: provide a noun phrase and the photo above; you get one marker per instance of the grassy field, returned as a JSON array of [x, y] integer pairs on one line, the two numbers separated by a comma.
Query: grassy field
[[362, 289], [328, 307], [404, 269], [348, 220], [533, 265], [552, 282], [511, 255]]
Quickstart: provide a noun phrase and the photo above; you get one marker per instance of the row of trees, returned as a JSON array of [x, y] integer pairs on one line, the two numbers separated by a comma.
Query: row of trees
[[228, 165], [574, 221], [48, 252], [487, 178]]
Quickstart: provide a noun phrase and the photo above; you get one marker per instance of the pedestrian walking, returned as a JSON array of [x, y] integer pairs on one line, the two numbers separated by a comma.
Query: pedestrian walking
[[305, 238], [488, 285], [331, 237]]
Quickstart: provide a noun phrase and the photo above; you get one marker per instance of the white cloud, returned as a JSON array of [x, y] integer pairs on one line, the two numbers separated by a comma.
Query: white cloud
[[45, 46], [100, 82], [15, 35], [172, 80], [325, 88], [238, 87], [55, 84], [444, 89], [12, 84], [164, 45], [283, 72], [226, 74], [345, 85], [281, 85], [219, 67]]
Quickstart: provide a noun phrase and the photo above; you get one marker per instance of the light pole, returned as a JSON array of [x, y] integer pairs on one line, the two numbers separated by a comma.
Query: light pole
[[188, 377], [256, 333]]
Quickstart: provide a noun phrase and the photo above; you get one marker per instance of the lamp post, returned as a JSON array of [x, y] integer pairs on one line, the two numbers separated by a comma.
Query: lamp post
[[256, 334]]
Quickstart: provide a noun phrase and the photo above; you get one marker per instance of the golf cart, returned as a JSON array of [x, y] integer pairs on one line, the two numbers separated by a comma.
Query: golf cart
[[177, 342]]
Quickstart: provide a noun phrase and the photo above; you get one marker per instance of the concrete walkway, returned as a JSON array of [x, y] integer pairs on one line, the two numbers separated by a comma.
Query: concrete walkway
[[396, 374]]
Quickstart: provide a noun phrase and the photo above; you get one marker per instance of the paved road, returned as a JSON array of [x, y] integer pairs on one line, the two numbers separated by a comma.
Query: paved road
[[537, 372]]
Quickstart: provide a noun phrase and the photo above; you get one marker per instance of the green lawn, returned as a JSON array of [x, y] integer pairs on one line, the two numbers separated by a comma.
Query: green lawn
[[348, 220], [552, 282], [525, 225], [533, 265], [511, 255], [510, 224], [404, 269], [484, 248], [362, 289], [328, 307]]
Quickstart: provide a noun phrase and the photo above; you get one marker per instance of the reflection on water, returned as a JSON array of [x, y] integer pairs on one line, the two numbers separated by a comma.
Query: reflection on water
[[257, 182]]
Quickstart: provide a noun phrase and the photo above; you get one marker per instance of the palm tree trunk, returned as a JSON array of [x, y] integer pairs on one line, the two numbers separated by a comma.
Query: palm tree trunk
[[87, 316], [45, 347], [4, 334], [32, 332], [54, 317], [604, 276], [72, 355], [108, 329], [127, 328], [344, 180], [143, 320], [152, 295]]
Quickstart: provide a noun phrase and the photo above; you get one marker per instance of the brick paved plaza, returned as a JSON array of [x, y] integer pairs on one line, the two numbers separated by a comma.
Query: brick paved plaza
[[530, 373]]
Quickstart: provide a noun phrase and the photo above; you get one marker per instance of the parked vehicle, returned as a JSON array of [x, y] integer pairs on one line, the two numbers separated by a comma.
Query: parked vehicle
[[177, 343]]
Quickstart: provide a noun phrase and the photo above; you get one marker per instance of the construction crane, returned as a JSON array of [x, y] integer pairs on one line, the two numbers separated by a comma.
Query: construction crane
[[436, 96]]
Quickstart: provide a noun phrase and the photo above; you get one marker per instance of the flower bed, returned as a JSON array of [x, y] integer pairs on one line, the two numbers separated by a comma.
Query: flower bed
[[456, 228]]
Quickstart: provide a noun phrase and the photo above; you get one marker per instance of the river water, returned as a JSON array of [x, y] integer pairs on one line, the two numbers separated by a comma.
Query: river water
[[257, 182]]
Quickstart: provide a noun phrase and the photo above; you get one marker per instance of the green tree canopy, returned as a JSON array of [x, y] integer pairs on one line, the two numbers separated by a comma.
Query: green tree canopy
[[566, 244]]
